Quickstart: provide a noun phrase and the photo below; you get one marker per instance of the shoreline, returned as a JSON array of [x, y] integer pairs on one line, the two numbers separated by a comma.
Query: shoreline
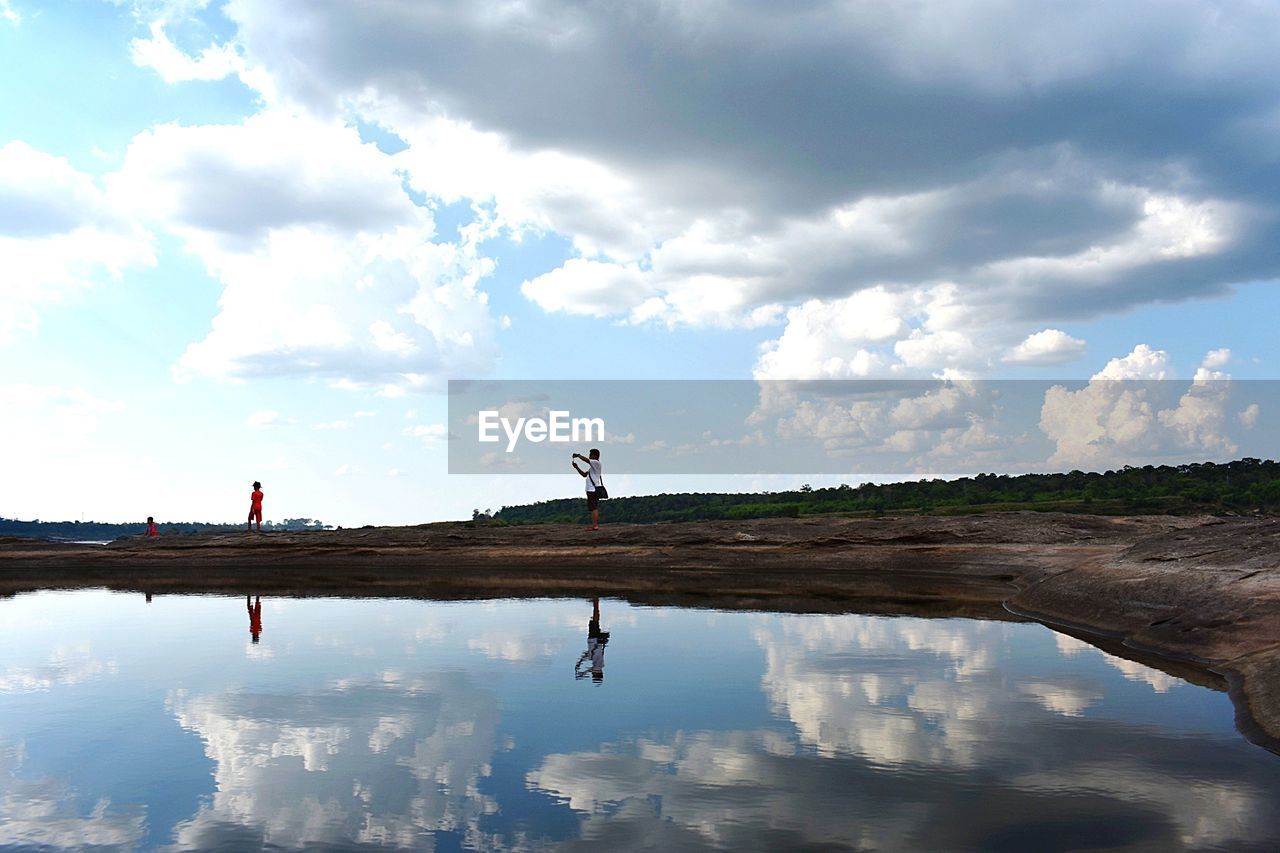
[[1191, 595]]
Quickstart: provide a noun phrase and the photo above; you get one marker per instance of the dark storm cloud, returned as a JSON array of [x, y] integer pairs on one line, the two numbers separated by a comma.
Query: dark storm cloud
[[822, 100], [783, 111]]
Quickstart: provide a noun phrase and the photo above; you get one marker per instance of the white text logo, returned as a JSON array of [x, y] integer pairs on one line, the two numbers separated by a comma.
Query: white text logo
[[558, 427]]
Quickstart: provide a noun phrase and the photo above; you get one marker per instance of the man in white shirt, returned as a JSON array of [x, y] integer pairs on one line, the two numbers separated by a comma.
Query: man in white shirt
[[596, 641], [594, 475]]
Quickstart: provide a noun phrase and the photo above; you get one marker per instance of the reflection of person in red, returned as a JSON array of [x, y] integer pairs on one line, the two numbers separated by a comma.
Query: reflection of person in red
[[596, 641], [255, 616], [255, 507]]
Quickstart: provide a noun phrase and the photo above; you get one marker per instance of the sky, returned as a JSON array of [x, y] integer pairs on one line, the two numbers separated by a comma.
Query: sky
[[253, 241]]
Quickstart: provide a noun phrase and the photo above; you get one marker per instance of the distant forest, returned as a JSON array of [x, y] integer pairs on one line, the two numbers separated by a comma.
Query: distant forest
[[97, 531], [1243, 486]]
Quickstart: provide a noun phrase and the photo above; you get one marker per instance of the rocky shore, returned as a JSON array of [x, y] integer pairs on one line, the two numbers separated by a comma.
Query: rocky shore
[[1199, 597]]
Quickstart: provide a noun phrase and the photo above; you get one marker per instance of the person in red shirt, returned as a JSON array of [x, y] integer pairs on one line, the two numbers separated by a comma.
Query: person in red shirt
[[255, 507], [255, 617], [151, 528]]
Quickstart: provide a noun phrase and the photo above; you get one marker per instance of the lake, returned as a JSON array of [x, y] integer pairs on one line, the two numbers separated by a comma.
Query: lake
[[192, 722]]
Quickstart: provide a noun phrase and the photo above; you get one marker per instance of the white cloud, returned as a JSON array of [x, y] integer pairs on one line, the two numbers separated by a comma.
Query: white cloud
[[1170, 228], [501, 645], [646, 255], [46, 813], [1249, 416], [58, 233], [1117, 418], [1216, 358], [1050, 346], [158, 52], [827, 340], [945, 348], [594, 288], [429, 434], [936, 425], [9, 13], [328, 267], [65, 666], [879, 332], [1065, 699], [695, 192], [1199, 420], [1144, 363], [267, 418], [1160, 682], [312, 769], [226, 188], [680, 189], [857, 709]]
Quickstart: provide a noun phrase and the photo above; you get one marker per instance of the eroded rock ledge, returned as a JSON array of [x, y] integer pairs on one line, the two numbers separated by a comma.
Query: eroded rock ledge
[[1193, 595]]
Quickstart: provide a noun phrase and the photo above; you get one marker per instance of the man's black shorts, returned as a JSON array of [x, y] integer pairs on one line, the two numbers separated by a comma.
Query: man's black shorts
[[593, 500]]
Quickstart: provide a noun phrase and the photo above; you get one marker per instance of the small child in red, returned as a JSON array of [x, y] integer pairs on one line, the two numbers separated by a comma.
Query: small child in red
[[255, 507]]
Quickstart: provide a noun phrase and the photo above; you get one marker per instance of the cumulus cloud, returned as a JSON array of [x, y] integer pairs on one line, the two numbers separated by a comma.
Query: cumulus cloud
[[267, 418], [1050, 346], [523, 648], [1042, 172], [227, 187], [1131, 412], [891, 720], [827, 340], [1123, 413], [1143, 363], [720, 185], [59, 232], [328, 267], [65, 666], [1000, 171], [918, 426], [588, 287], [158, 52], [312, 768], [1216, 358], [429, 434], [46, 813]]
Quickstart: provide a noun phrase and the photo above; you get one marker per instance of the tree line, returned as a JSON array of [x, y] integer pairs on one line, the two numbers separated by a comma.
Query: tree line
[[98, 531], [1244, 486]]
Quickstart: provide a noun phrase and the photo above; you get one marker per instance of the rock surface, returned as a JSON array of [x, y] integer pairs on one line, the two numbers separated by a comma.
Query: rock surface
[[1198, 596]]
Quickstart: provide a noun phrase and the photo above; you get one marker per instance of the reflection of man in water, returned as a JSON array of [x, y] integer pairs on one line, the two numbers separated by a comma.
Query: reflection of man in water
[[596, 641], [255, 616]]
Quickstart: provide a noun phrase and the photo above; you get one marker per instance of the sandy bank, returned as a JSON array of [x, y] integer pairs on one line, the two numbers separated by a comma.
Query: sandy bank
[[1197, 596]]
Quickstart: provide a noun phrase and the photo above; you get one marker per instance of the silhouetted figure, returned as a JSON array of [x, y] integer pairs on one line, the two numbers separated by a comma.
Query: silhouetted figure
[[151, 531], [255, 507], [148, 597], [594, 475], [255, 617], [596, 641]]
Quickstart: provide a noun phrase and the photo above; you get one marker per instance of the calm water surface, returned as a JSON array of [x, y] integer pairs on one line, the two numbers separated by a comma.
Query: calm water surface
[[493, 725]]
